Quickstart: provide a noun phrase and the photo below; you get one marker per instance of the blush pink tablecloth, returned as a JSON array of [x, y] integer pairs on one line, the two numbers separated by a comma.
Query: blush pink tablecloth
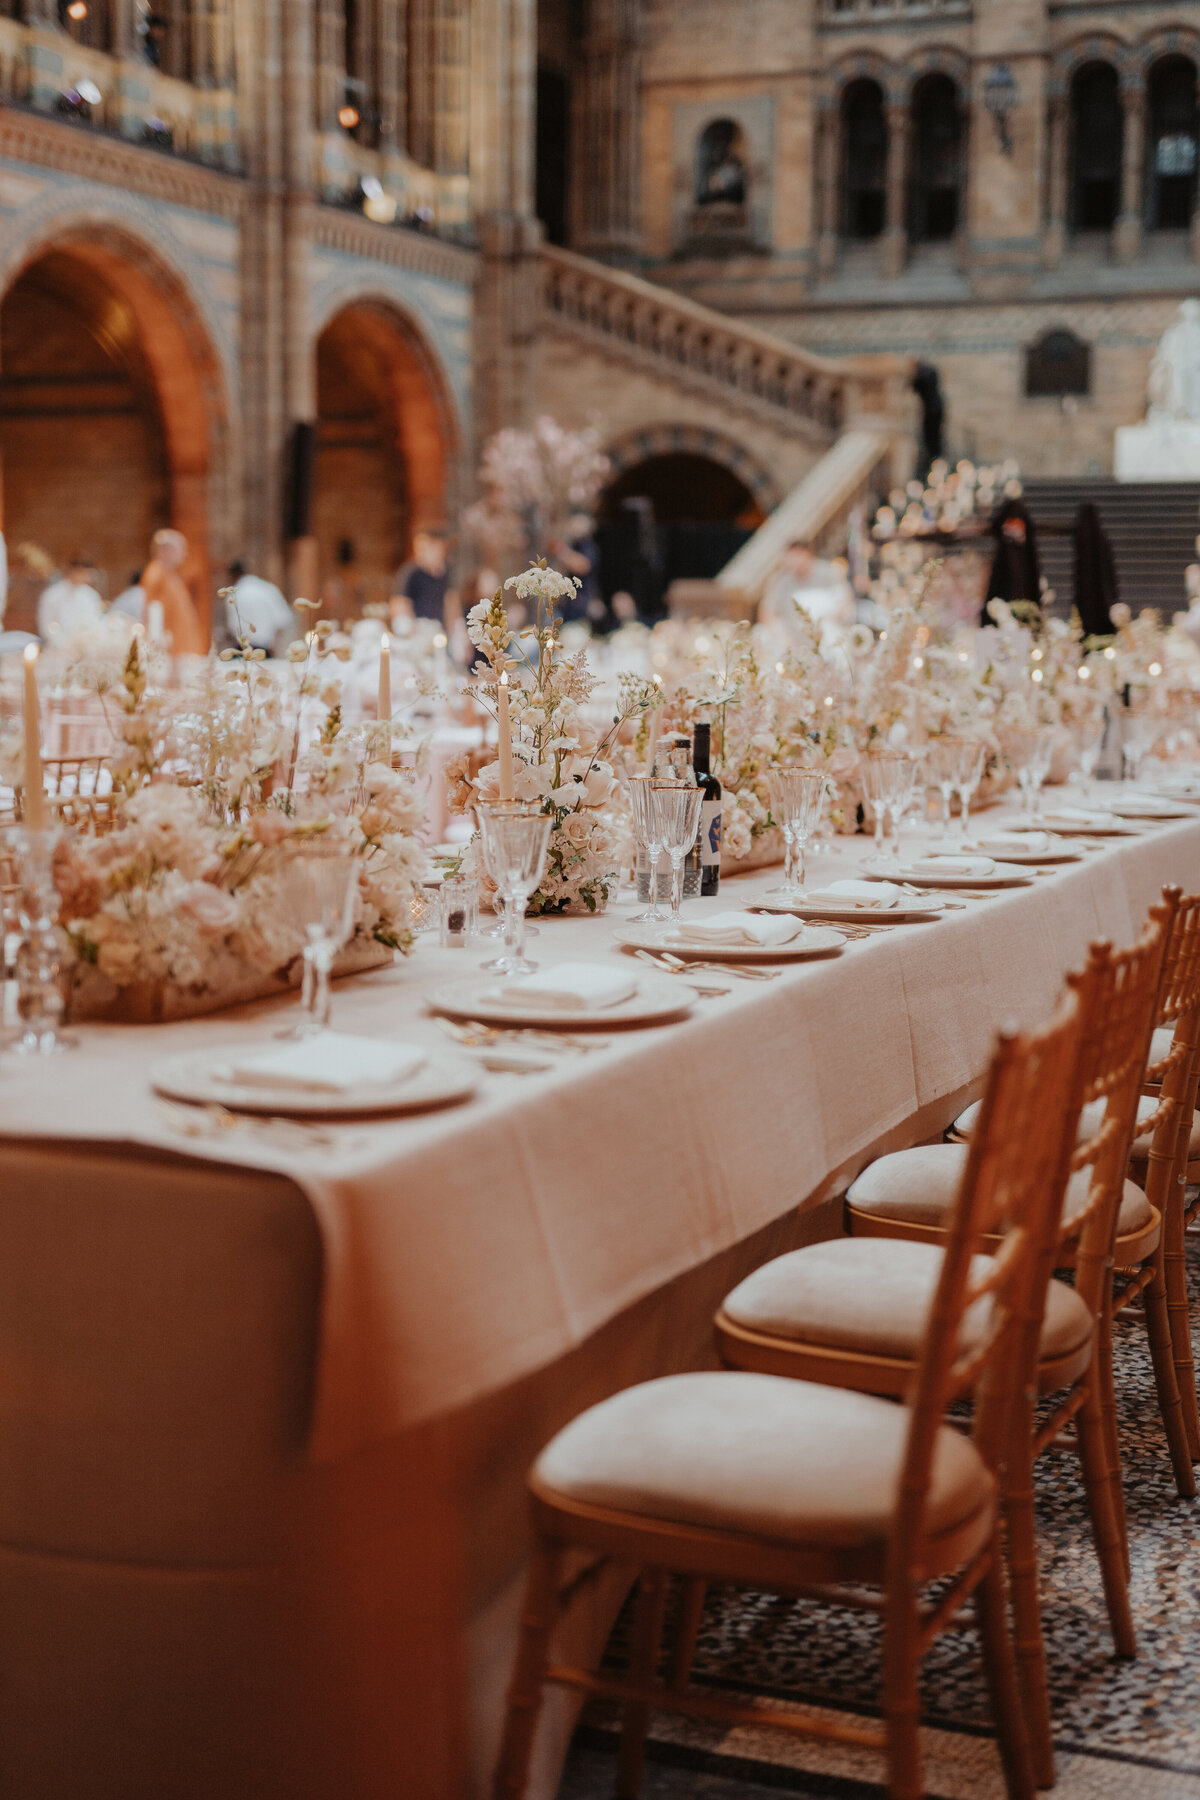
[[570, 1229]]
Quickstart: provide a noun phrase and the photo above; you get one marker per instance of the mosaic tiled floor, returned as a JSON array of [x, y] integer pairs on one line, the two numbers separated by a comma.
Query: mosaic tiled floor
[[1126, 1730]]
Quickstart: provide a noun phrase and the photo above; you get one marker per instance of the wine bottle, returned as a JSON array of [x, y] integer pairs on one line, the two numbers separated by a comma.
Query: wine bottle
[[708, 837]]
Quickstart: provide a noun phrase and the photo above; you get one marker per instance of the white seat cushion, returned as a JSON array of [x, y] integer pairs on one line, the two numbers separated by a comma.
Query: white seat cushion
[[1090, 1121], [918, 1187], [873, 1295], [759, 1454]]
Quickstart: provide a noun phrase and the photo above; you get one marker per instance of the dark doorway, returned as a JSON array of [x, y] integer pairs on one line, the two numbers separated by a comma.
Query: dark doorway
[[864, 160], [674, 517], [937, 160], [553, 152], [1172, 148], [1097, 133]]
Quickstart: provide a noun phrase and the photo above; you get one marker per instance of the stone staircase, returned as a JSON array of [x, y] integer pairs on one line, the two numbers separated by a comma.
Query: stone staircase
[[1153, 526]]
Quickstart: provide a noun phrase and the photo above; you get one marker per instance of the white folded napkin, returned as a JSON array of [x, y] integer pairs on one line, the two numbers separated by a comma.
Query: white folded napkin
[[972, 868], [331, 1063], [571, 987], [1096, 819], [1138, 806], [877, 895], [736, 928], [1000, 843]]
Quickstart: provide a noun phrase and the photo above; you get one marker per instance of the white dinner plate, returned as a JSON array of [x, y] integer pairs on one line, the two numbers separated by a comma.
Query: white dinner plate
[[1056, 853], [907, 911], [1095, 825], [658, 997], [443, 1079], [999, 878], [1153, 809], [812, 940]]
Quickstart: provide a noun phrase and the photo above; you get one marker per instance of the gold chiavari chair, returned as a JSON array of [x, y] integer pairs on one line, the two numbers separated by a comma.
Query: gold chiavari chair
[[800, 1489], [852, 1311]]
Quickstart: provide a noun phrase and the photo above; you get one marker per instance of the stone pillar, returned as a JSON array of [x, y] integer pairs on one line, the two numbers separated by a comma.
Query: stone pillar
[[123, 40], [452, 87], [1127, 237], [829, 188], [606, 122], [200, 21], [329, 82], [503, 60], [893, 247], [1058, 150], [422, 62], [391, 66], [40, 12]]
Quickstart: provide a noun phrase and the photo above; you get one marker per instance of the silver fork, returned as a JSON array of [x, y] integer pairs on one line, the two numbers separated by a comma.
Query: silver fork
[[702, 989], [678, 966]]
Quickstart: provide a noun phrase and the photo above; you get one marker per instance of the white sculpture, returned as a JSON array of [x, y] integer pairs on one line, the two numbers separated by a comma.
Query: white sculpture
[[1166, 447]]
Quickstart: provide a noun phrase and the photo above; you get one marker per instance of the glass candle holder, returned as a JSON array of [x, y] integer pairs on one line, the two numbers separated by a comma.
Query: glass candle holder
[[456, 912]]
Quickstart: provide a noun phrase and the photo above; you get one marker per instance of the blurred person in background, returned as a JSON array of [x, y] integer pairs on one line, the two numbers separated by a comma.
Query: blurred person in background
[[70, 601], [256, 610], [419, 590], [164, 586]]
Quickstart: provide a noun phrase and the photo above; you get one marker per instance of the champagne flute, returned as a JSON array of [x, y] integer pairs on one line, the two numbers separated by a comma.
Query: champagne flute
[[797, 796], [649, 838], [941, 765], [320, 886], [901, 789], [677, 805], [516, 838], [970, 756]]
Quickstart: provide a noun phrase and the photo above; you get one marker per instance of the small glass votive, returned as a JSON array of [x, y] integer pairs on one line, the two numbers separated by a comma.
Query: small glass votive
[[456, 910]]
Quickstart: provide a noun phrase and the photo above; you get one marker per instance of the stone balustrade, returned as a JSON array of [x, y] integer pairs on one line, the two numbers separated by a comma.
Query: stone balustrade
[[685, 342]]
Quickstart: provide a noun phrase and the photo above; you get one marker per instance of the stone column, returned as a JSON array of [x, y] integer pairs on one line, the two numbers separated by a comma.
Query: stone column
[[329, 79], [503, 53], [452, 87], [829, 187], [40, 12], [391, 66], [893, 247], [422, 62], [606, 119], [1127, 237], [200, 22], [1054, 231]]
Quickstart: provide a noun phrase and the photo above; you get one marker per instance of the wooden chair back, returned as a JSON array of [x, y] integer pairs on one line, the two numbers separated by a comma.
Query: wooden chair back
[[1174, 1076], [983, 1329], [1119, 997]]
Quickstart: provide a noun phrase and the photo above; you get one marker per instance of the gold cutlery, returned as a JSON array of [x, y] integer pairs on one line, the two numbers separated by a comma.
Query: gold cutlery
[[476, 1035], [703, 991], [676, 965], [211, 1120]]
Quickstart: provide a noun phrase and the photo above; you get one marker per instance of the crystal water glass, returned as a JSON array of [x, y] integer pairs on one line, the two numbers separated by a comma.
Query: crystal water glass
[[887, 777], [941, 763], [649, 839], [1142, 732], [797, 796], [1088, 733], [1029, 753], [40, 999], [515, 835], [676, 806], [319, 889], [901, 788]]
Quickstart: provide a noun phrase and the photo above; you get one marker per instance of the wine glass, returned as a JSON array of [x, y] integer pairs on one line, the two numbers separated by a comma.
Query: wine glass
[[970, 756], [797, 796], [1029, 752], [1089, 741], [649, 838], [516, 838], [1142, 730], [899, 798], [941, 762], [882, 771], [320, 886], [677, 805]]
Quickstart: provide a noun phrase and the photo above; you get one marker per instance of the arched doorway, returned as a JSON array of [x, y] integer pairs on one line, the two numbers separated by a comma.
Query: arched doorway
[[384, 446], [1173, 143], [937, 160], [864, 160], [1097, 134], [112, 411], [676, 516]]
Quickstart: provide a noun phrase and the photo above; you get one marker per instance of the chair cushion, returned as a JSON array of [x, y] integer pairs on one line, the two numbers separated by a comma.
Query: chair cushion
[[1091, 1119], [873, 1295], [918, 1187], [759, 1454]]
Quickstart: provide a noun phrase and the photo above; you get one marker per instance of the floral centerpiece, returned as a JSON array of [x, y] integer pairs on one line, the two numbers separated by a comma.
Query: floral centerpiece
[[559, 757], [177, 908]]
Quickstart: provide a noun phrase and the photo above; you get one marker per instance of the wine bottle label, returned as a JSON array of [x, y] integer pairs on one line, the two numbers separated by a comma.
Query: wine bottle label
[[709, 834]]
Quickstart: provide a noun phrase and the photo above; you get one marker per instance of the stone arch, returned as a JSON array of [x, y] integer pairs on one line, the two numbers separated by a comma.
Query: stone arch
[[1098, 47], [864, 65], [635, 447], [1166, 40], [410, 450], [938, 59], [151, 296]]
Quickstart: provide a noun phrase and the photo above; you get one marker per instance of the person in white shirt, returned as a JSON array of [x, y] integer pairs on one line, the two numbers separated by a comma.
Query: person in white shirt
[[69, 602], [257, 611]]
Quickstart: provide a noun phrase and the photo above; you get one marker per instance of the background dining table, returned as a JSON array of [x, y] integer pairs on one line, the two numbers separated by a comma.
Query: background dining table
[[270, 1389]]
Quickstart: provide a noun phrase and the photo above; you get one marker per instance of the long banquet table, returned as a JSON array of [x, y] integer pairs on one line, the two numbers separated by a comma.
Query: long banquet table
[[268, 1396]]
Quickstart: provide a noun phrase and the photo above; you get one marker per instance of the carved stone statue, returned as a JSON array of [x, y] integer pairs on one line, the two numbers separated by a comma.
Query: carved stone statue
[[1174, 389]]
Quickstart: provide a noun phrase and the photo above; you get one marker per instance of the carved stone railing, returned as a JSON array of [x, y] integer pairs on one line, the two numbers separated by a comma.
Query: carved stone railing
[[680, 341]]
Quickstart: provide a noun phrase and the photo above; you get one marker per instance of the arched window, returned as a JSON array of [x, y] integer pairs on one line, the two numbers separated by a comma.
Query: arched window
[[1058, 363], [937, 160], [1097, 130], [1171, 160], [721, 173], [864, 160]]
